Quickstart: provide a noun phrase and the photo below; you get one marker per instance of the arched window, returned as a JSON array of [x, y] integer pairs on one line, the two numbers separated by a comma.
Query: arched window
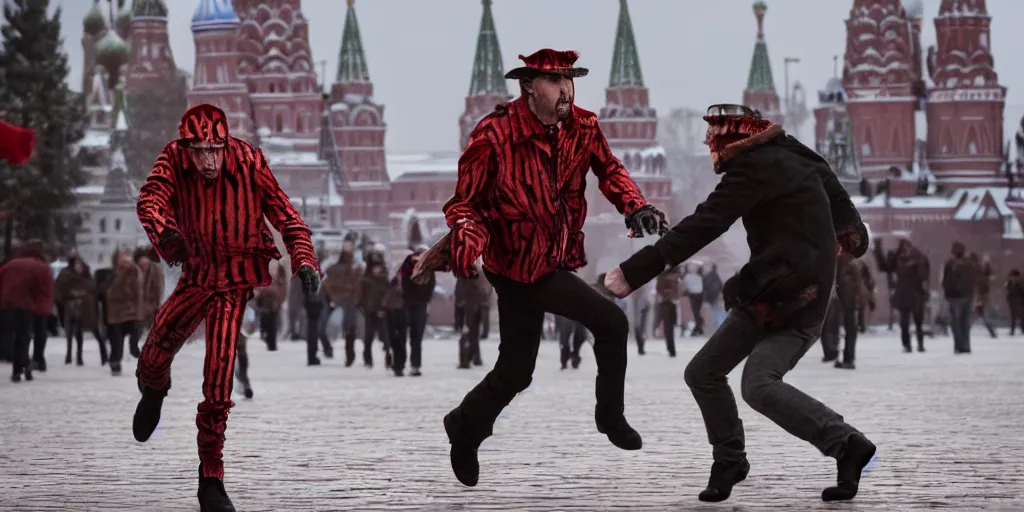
[[117, 225]]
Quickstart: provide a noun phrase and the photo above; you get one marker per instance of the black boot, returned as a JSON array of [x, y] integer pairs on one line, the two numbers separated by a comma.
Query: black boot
[[620, 433], [723, 477], [147, 413], [576, 362], [465, 464], [212, 496], [850, 464], [845, 365]]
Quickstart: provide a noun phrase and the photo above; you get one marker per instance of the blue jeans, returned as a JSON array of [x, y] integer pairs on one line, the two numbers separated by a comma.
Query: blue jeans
[[960, 323]]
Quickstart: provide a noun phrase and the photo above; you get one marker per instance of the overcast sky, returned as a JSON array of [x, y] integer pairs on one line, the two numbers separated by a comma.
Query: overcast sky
[[693, 52]]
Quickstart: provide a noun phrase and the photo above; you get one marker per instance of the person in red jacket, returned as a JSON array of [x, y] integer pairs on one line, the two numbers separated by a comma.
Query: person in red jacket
[[519, 202], [16, 143], [26, 292], [203, 207]]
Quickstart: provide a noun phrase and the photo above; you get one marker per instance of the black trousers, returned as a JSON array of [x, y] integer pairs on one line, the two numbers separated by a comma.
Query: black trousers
[[521, 310], [840, 314], [21, 324], [469, 341], [242, 362], [6, 336], [268, 324], [117, 334], [571, 337], [40, 333], [667, 313], [1016, 317], [313, 335], [696, 304], [397, 334], [73, 329], [485, 321], [915, 314], [374, 327], [640, 328], [416, 325]]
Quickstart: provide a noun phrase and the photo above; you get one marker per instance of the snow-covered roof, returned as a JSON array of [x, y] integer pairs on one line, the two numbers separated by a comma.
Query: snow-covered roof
[[95, 139], [640, 161], [440, 163], [89, 190], [294, 158]]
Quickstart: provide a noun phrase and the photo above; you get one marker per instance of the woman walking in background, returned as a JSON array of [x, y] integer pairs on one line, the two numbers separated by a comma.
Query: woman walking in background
[[78, 293], [124, 301]]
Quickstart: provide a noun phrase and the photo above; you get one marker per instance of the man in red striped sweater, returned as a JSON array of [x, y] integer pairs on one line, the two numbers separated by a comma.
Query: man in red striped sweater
[[203, 207]]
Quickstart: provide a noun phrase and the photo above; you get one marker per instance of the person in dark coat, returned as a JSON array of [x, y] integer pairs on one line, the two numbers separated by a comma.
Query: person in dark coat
[[909, 270], [415, 298], [797, 218], [713, 294], [471, 293], [982, 290], [959, 278], [78, 293], [396, 325], [669, 292], [1015, 299], [843, 312], [26, 294], [373, 290]]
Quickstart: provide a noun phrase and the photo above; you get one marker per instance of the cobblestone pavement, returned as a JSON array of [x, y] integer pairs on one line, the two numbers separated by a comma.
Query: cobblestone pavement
[[948, 430]]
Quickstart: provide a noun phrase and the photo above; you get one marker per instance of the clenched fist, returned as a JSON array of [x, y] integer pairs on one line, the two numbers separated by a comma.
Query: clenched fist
[[616, 283]]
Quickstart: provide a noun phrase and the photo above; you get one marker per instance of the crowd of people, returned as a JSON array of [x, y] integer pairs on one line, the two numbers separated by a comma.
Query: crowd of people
[[116, 305]]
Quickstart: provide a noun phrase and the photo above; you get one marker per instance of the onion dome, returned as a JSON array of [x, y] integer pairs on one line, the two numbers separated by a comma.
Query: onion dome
[[214, 15], [94, 22], [149, 8], [112, 52], [123, 23]]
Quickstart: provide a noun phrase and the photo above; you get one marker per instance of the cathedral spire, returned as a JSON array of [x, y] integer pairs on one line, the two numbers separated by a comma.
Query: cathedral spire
[[625, 58], [760, 77], [352, 58], [488, 69]]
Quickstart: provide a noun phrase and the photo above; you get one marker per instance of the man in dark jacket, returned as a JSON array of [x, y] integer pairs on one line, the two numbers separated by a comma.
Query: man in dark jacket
[[713, 294], [415, 298], [797, 217], [909, 269], [958, 281], [668, 292], [471, 293], [843, 312]]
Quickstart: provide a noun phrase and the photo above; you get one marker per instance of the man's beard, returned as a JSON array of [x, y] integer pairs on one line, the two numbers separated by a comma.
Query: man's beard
[[563, 108]]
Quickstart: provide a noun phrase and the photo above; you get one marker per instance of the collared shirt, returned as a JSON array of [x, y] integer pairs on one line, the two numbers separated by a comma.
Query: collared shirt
[[520, 198]]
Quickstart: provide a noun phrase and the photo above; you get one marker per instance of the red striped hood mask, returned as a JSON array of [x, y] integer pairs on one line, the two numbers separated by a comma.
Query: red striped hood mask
[[204, 132]]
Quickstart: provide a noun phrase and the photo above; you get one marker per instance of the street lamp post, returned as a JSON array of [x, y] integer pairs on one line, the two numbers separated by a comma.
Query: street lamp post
[[786, 62]]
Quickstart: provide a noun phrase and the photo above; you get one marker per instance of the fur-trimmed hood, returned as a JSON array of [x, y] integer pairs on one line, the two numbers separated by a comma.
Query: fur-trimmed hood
[[730, 151]]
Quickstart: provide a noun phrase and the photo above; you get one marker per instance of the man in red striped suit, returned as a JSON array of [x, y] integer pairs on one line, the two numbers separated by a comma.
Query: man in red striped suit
[[203, 207], [520, 203]]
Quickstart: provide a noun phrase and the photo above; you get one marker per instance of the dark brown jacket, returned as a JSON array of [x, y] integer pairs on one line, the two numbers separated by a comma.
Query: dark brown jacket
[[910, 270], [124, 296], [342, 282], [270, 298], [79, 297], [393, 299], [152, 289], [667, 286], [373, 294], [472, 294]]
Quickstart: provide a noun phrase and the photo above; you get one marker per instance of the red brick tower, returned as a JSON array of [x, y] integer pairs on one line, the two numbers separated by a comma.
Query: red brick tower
[[878, 79], [216, 80], [965, 104]]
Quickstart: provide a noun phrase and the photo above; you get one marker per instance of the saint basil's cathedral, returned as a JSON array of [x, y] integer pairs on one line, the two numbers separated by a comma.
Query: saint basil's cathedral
[[915, 133]]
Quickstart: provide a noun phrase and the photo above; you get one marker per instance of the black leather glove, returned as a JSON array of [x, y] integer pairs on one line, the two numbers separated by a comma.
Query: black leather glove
[[646, 220], [172, 247], [310, 279]]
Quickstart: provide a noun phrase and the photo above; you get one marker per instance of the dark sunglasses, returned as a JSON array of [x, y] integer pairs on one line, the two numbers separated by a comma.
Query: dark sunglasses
[[732, 110]]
